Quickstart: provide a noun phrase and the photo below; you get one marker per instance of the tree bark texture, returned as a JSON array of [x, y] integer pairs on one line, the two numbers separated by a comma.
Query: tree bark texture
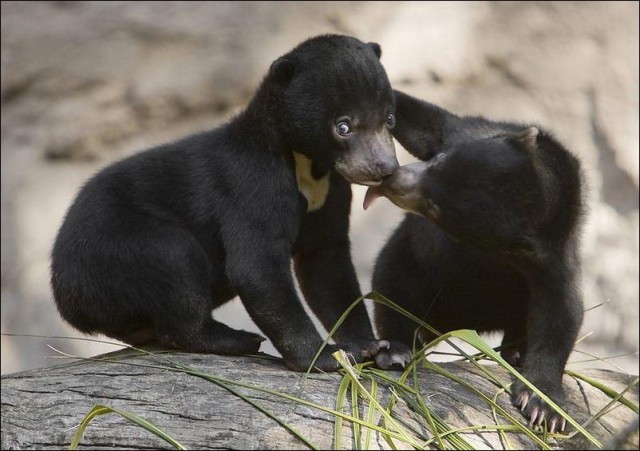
[[42, 408]]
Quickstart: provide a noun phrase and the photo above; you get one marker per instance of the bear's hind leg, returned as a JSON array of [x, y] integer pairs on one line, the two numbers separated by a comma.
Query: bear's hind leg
[[186, 323], [205, 334], [184, 299]]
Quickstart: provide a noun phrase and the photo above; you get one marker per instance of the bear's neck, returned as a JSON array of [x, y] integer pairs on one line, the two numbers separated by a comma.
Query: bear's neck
[[262, 120]]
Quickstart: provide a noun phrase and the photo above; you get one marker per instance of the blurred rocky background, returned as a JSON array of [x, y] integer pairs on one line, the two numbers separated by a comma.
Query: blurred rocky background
[[84, 84]]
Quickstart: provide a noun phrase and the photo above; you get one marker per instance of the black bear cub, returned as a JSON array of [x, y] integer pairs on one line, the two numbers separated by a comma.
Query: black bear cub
[[498, 249], [154, 242]]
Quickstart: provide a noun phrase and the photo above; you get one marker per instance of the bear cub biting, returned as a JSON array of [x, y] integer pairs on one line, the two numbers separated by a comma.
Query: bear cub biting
[[493, 244], [153, 243]]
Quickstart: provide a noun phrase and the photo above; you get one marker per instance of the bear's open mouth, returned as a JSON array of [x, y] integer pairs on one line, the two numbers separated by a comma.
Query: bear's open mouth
[[370, 182], [364, 182]]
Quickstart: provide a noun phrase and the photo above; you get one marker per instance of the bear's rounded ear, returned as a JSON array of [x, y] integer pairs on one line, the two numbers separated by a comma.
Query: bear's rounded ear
[[282, 70], [527, 138], [376, 48]]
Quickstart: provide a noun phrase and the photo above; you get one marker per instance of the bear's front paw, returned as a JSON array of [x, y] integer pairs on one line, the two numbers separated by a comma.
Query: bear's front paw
[[325, 362], [362, 349], [536, 410], [395, 356]]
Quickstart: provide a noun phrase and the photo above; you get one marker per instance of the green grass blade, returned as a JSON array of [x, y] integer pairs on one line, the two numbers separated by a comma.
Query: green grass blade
[[377, 297], [371, 414], [611, 393], [471, 337], [355, 413], [340, 401], [341, 357], [301, 401], [438, 427], [474, 340], [605, 360], [438, 369], [393, 430], [102, 410], [333, 330], [221, 382], [169, 365], [609, 406], [596, 306], [494, 414], [226, 384], [413, 397], [422, 407]]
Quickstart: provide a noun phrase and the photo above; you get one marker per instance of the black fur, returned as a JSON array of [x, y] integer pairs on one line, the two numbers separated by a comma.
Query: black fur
[[500, 248], [156, 241]]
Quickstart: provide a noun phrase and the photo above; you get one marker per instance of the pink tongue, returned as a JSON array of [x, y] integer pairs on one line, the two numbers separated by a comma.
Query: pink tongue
[[372, 194]]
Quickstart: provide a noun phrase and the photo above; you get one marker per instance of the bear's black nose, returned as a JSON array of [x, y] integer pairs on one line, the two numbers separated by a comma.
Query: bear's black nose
[[387, 167]]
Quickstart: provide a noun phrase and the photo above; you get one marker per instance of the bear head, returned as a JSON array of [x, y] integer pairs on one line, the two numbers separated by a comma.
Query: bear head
[[489, 192], [334, 105]]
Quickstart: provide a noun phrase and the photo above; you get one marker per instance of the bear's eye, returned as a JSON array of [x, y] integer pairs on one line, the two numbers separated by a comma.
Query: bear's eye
[[343, 128], [391, 120]]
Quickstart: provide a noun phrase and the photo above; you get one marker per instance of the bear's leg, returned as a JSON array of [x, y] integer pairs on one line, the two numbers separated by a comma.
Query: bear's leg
[[327, 277], [329, 284], [400, 288], [192, 335], [398, 330], [554, 318], [261, 275], [326, 274], [181, 311], [195, 331]]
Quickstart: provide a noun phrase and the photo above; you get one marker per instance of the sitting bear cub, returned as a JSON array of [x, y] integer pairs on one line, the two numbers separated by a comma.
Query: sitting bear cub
[[154, 242], [498, 249]]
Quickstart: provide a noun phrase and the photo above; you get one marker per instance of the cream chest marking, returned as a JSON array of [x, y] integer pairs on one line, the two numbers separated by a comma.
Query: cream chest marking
[[315, 191]]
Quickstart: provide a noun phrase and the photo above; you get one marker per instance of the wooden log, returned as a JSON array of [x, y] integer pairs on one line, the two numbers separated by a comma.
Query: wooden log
[[42, 408]]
